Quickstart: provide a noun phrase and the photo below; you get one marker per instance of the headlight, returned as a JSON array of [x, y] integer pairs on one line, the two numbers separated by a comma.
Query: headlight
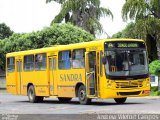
[[147, 83], [109, 85]]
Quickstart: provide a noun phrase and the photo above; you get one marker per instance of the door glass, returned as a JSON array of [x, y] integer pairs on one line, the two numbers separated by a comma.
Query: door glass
[[54, 63], [92, 72], [50, 64], [92, 61], [19, 66]]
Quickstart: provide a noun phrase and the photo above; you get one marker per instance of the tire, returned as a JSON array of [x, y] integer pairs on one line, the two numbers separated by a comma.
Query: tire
[[32, 95], [120, 100], [64, 100], [82, 96]]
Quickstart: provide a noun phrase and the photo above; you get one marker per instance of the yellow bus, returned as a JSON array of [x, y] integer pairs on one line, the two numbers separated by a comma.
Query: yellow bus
[[111, 68]]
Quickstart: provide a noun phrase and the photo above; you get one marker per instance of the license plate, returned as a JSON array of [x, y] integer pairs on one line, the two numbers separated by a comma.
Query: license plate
[[146, 91]]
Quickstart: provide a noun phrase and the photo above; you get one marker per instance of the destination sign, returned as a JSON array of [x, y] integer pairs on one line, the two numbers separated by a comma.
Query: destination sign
[[119, 45], [124, 45]]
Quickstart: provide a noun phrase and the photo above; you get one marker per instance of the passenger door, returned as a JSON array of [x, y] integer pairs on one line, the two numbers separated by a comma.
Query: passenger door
[[91, 73], [52, 75]]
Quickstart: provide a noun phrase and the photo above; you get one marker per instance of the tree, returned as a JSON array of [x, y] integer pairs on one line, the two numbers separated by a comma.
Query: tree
[[49, 36], [128, 32], [83, 13], [2, 58], [139, 9], [146, 14], [5, 31]]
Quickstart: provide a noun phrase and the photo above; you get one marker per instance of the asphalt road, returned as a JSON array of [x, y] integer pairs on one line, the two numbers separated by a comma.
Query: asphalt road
[[10, 104]]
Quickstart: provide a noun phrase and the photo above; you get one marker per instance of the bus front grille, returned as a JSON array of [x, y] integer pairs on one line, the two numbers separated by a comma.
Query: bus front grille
[[129, 93], [129, 84]]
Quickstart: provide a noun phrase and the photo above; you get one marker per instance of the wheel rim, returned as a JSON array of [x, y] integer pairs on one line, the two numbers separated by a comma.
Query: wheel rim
[[31, 95], [82, 94]]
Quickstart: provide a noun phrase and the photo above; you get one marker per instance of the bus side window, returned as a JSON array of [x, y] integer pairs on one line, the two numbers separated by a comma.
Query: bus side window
[[78, 58], [92, 60], [11, 64], [29, 63], [64, 60], [40, 62]]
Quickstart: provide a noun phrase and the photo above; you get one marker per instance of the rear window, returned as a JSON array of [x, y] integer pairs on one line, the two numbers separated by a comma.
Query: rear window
[[11, 64]]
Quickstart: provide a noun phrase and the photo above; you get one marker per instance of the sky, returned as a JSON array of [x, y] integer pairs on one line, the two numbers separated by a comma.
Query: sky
[[32, 15]]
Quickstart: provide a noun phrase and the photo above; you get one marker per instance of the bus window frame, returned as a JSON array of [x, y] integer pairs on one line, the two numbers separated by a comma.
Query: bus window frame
[[70, 60], [13, 64], [35, 59], [80, 58], [33, 63]]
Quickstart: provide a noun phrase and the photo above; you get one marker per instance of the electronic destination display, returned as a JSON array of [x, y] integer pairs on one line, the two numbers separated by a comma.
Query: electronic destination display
[[124, 44]]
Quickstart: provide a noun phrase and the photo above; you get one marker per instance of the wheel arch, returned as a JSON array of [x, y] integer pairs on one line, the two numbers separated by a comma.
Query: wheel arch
[[29, 84], [77, 87]]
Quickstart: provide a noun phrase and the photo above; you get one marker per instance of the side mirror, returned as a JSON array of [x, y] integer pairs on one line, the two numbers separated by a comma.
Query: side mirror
[[104, 60]]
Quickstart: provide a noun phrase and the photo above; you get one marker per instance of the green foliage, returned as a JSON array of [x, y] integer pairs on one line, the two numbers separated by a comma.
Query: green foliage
[[2, 57], [53, 35], [134, 9], [146, 14], [154, 67], [128, 32], [154, 89], [5, 31], [157, 93], [149, 26], [83, 13], [118, 35], [58, 1]]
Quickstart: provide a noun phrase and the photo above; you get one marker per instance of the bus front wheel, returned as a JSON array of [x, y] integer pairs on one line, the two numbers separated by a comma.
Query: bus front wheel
[[32, 95], [120, 100], [82, 96]]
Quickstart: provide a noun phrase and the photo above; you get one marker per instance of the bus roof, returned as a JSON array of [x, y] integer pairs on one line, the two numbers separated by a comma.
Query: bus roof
[[69, 46]]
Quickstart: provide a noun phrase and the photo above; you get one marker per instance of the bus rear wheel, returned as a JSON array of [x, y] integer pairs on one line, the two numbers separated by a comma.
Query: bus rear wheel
[[83, 96], [64, 99], [32, 95], [120, 100]]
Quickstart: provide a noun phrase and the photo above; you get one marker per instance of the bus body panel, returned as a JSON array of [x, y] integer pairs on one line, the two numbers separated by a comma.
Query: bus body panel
[[62, 82], [67, 80], [115, 90], [11, 83]]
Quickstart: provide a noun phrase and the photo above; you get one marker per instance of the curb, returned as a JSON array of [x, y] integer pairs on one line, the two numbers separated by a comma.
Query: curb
[[146, 97], [153, 97]]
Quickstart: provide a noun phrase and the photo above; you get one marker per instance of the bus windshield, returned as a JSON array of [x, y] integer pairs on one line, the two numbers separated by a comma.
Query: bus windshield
[[126, 62]]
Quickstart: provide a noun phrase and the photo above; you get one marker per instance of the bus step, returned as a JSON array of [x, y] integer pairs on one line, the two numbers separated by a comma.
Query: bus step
[[53, 96], [92, 96]]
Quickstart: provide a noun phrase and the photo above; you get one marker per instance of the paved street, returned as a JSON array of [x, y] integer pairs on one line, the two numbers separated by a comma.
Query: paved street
[[10, 104]]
